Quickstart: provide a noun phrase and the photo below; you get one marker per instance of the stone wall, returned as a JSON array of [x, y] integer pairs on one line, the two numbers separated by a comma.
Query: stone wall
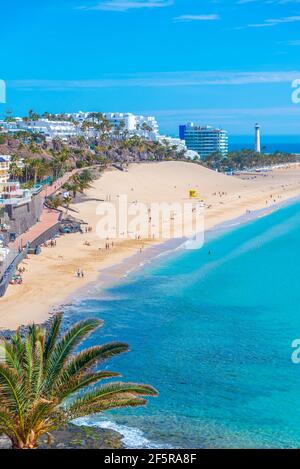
[[22, 217], [9, 272]]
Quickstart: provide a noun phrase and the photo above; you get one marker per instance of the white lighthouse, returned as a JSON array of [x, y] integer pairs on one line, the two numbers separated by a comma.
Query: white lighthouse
[[257, 138]]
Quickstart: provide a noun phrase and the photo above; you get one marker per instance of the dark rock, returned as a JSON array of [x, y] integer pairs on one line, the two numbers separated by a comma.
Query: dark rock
[[75, 437], [4, 442]]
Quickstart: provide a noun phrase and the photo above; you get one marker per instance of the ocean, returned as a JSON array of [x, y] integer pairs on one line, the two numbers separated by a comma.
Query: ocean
[[268, 148], [270, 144], [213, 333]]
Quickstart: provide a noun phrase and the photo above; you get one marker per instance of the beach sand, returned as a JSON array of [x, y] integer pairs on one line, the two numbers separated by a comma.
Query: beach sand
[[50, 278]]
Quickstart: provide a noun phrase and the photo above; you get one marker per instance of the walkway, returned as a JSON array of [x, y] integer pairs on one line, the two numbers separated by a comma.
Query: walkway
[[50, 190], [48, 219]]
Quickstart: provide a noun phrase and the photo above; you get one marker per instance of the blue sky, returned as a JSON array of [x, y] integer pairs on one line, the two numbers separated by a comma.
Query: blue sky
[[221, 62]]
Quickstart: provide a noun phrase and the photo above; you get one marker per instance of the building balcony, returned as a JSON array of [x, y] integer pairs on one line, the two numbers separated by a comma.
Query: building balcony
[[15, 200]]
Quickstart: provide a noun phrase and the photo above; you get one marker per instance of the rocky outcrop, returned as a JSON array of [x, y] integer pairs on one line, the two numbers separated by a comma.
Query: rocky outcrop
[[75, 437]]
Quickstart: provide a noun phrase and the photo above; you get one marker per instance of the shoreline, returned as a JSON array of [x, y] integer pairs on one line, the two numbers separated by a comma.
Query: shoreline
[[40, 304], [133, 264], [132, 436]]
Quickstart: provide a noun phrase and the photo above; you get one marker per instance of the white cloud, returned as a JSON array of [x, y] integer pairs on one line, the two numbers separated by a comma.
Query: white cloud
[[189, 18], [228, 113], [125, 5], [159, 80], [275, 22]]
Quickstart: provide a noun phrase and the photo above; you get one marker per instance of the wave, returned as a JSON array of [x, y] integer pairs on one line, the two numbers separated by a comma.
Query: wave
[[132, 438]]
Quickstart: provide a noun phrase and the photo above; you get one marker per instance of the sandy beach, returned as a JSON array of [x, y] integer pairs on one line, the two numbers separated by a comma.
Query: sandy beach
[[50, 278]]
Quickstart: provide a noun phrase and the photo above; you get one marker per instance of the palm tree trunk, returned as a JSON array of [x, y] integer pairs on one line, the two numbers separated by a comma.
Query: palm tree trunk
[[29, 443]]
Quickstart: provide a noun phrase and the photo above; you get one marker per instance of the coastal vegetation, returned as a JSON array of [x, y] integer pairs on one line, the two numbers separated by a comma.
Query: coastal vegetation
[[45, 383], [246, 159], [100, 147]]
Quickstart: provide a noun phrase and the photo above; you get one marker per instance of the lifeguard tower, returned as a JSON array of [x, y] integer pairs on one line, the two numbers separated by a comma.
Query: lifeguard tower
[[193, 194]]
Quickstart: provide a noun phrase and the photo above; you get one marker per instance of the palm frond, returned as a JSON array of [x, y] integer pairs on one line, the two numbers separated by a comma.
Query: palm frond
[[63, 349], [52, 335], [113, 391], [83, 410], [92, 356], [77, 383], [7, 422], [37, 371], [13, 391], [42, 384], [10, 356]]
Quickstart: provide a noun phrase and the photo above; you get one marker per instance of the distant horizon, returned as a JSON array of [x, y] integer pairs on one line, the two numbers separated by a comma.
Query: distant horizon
[[174, 132]]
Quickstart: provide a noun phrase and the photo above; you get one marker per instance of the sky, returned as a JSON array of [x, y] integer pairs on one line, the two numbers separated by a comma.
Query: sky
[[227, 63]]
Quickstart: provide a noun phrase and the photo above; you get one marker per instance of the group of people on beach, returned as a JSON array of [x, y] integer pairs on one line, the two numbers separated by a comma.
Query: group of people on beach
[[51, 243], [109, 245], [79, 273], [274, 198], [220, 194]]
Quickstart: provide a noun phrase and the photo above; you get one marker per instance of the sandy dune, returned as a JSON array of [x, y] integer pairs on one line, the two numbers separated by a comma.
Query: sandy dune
[[50, 278]]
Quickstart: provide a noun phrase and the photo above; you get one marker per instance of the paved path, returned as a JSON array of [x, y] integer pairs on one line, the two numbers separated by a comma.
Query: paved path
[[48, 219], [50, 190]]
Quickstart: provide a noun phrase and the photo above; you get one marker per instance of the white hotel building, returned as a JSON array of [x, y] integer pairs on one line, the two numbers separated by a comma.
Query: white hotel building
[[50, 129], [205, 140], [4, 168], [127, 121]]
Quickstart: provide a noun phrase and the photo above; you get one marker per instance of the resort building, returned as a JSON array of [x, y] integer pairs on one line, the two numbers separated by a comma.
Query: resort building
[[205, 140], [50, 129], [172, 142], [10, 127], [144, 126], [12, 194], [178, 145], [4, 168]]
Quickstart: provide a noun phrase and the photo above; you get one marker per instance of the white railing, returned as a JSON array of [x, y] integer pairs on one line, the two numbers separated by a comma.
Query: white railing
[[15, 200]]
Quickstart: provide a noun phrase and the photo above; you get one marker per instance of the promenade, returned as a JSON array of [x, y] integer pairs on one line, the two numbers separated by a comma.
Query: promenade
[[48, 219]]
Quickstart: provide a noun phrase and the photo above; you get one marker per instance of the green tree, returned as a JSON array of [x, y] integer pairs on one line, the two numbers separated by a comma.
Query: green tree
[[55, 201], [44, 385], [60, 162], [67, 200], [39, 168]]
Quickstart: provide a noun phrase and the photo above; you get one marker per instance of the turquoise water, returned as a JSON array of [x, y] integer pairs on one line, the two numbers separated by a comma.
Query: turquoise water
[[213, 334]]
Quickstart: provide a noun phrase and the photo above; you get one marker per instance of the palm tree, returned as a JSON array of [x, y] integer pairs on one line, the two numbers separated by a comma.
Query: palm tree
[[86, 176], [55, 202], [44, 386], [39, 167], [67, 201], [59, 162], [36, 167], [15, 171]]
